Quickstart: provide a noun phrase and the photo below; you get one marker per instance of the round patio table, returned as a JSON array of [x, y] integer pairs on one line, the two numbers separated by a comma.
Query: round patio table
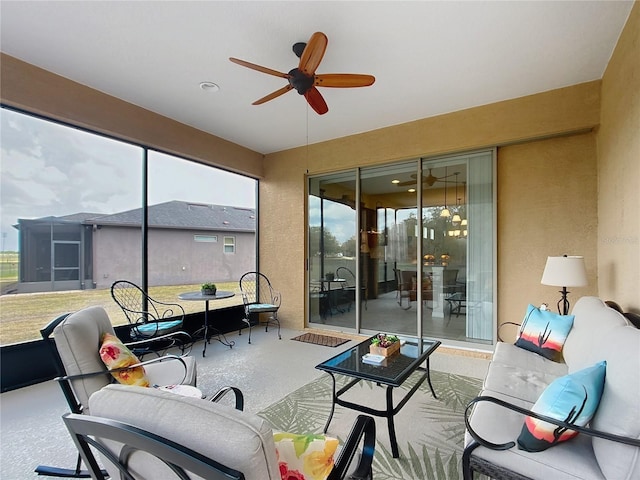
[[199, 296]]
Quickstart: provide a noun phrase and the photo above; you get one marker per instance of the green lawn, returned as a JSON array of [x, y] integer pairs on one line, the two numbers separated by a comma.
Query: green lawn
[[23, 315]]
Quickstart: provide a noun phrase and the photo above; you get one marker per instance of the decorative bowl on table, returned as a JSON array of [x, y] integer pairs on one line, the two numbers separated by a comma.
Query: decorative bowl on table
[[385, 345]]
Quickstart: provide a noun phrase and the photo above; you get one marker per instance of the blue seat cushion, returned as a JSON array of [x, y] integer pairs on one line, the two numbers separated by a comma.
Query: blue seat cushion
[[158, 328], [262, 307]]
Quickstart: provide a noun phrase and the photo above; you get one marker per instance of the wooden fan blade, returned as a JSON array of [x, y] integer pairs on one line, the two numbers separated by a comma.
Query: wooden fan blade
[[253, 66], [343, 80], [316, 101], [273, 95], [313, 53]]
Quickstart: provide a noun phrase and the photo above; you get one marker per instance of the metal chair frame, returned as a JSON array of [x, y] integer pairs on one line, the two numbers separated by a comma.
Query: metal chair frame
[[143, 311], [258, 296], [350, 285]]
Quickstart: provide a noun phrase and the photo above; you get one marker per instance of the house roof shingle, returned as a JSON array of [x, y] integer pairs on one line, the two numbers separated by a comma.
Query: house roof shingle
[[176, 214]]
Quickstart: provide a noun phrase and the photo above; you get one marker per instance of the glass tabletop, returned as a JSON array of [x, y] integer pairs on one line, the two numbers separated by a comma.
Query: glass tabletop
[[392, 371]]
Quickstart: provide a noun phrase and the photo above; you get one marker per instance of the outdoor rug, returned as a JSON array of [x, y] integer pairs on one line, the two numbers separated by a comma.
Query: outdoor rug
[[317, 339], [430, 432]]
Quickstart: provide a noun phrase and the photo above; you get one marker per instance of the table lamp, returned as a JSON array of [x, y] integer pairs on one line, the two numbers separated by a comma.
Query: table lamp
[[565, 271]]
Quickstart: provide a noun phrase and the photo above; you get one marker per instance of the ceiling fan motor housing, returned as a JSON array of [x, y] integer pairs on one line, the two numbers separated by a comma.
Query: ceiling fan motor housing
[[301, 82]]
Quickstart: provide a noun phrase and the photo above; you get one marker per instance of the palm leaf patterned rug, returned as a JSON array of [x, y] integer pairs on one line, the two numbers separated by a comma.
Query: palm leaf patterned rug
[[430, 431]]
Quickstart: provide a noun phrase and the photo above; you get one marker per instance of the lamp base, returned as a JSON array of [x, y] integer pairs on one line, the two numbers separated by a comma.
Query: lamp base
[[564, 301]]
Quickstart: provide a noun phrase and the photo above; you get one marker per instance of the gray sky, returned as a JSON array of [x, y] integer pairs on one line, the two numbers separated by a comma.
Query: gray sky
[[47, 169]]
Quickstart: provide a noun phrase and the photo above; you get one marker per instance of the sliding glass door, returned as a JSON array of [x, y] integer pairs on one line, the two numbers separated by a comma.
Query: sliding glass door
[[421, 252]]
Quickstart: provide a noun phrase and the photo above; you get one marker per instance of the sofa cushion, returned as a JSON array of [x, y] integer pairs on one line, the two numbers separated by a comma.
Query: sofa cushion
[[618, 412], [115, 354], [573, 398], [305, 456], [593, 319], [508, 354], [239, 440], [572, 460], [544, 332], [518, 382]]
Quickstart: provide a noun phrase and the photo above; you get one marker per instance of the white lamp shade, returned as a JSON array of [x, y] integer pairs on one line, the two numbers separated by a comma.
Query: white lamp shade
[[565, 271]]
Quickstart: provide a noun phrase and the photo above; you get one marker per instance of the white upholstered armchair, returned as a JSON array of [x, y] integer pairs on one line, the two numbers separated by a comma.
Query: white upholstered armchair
[[212, 440]]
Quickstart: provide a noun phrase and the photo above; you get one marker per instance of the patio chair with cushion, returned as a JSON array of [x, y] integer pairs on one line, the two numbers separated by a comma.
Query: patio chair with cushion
[[151, 319], [259, 298], [349, 286], [81, 345], [208, 440]]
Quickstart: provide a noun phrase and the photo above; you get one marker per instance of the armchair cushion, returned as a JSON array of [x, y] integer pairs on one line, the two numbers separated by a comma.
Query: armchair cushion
[[115, 354], [544, 332], [236, 439], [573, 398], [304, 457]]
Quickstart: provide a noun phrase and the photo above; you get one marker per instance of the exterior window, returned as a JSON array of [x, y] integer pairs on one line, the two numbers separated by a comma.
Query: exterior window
[[72, 222], [229, 244], [205, 238]]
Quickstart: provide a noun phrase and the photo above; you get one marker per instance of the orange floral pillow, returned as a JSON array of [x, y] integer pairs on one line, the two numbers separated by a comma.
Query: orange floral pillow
[[303, 457], [115, 354]]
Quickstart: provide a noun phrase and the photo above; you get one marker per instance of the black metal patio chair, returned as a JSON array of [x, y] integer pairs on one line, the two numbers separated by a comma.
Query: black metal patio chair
[[151, 319], [259, 297]]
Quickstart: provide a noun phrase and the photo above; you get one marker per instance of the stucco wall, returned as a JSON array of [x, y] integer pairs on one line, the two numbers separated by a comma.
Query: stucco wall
[[527, 123], [619, 172], [547, 206], [174, 257]]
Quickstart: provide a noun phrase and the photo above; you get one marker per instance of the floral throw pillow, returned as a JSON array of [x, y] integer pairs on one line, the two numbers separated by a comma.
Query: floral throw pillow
[[544, 332], [115, 354], [573, 399], [303, 457]]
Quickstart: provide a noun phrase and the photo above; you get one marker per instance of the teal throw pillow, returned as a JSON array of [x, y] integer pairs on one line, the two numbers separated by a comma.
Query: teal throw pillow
[[544, 332], [573, 398]]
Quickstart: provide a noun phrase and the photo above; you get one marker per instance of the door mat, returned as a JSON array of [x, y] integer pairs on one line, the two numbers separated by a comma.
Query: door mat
[[324, 340]]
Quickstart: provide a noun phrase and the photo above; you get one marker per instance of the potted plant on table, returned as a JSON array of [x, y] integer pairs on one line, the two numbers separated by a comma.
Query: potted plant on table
[[208, 288], [385, 345]]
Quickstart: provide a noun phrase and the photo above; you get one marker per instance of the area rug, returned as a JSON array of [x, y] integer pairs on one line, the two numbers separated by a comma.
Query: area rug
[[317, 339], [430, 432]]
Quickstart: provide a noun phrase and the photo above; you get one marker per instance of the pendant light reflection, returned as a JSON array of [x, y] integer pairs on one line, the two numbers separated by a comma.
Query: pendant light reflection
[[456, 219], [445, 213]]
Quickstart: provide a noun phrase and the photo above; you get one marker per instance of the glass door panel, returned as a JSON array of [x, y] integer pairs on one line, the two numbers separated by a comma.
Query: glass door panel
[[389, 246], [332, 250], [457, 261]]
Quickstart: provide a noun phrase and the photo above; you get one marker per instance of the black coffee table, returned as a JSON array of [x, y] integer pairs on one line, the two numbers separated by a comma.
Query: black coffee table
[[392, 373]]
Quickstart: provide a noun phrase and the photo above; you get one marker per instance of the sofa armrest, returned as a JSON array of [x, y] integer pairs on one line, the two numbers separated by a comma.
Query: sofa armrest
[[365, 427], [506, 323], [505, 446]]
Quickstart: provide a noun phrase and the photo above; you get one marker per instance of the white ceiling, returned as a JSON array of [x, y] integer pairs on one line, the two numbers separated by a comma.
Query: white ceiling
[[428, 57]]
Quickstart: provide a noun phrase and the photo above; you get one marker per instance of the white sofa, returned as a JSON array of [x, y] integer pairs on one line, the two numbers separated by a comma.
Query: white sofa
[[517, 377]]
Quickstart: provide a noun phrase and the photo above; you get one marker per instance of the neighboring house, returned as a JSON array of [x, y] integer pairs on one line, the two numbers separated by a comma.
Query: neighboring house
[[188, 243]]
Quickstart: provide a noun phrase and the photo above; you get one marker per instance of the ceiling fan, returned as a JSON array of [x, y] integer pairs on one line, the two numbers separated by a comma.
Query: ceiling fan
[[429, 180], [304, 79]]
